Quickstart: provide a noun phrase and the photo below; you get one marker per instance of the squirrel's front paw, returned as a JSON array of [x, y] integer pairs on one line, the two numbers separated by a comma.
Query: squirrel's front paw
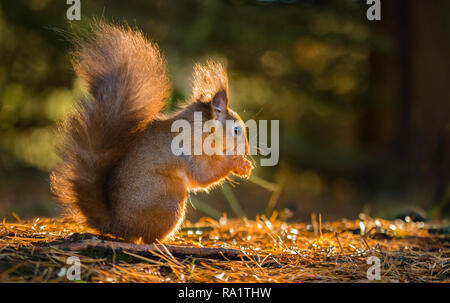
[[243, 168]]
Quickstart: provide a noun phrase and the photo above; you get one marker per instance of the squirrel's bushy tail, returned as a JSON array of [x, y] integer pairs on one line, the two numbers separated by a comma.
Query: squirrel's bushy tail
[[128, 85]]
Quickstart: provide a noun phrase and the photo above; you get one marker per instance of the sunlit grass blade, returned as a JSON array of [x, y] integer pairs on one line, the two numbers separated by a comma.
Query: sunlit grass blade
[[233, 201], [205, 208], [263, 183]]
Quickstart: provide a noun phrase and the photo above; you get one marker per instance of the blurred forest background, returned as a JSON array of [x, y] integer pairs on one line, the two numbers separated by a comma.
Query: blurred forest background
[[364, 106]]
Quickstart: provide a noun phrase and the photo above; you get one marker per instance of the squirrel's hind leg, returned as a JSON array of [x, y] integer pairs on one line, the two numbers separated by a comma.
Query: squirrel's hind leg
[[156, 215]]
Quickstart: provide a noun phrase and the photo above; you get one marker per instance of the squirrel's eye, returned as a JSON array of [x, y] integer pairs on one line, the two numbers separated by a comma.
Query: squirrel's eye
[[237, 130]]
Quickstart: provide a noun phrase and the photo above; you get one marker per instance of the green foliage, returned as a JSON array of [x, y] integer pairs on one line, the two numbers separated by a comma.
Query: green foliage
[[305, 63]]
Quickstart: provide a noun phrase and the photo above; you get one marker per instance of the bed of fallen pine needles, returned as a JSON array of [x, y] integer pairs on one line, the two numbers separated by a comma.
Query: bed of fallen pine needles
[[272, 251]]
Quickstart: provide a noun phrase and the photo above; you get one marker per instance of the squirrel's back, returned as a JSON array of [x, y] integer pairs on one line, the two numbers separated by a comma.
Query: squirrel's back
[[128, 85]]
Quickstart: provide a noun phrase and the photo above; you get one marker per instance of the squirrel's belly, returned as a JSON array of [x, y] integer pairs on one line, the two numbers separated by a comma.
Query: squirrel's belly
[[189, 183], [181, 174]]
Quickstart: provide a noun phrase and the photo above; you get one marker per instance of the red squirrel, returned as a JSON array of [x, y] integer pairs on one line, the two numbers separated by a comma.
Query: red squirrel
[[118, 173]]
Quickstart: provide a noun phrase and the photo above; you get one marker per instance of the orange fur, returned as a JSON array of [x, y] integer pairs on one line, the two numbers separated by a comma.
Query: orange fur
[[118, 173]]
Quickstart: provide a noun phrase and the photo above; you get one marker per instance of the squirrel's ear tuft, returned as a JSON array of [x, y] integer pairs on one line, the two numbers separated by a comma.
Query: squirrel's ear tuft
[[219, 104], [208, 81]]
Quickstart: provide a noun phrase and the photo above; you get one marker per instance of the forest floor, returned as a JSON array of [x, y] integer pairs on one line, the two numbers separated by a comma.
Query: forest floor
[[269, 251]]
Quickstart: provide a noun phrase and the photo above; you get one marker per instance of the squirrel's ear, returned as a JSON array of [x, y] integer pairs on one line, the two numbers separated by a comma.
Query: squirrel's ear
[[219, 104]]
